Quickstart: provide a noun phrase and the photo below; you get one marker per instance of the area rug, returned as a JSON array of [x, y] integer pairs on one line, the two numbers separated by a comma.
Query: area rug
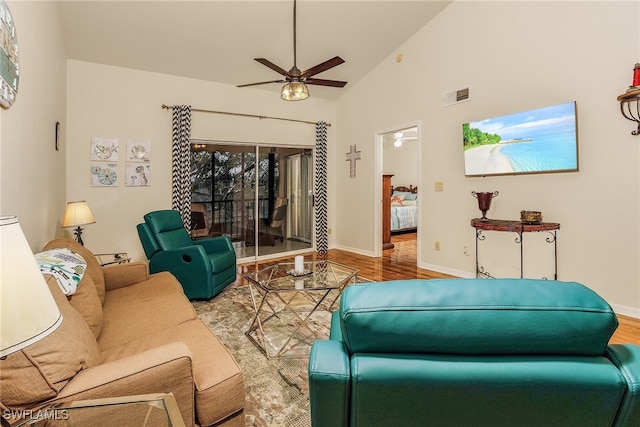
[[277, 390]]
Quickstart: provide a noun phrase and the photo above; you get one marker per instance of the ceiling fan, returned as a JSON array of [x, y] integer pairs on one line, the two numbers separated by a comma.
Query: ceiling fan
[[399, 137], [295, 88]]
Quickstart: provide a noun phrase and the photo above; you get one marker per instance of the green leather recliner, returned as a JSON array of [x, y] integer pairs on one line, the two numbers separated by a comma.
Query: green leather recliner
[[203, 267], [473, 352]]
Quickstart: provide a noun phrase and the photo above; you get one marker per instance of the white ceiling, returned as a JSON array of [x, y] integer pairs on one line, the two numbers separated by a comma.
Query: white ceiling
[[217, 40]]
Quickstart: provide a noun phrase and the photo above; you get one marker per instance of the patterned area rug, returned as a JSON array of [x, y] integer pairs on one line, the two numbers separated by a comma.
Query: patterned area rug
[[277, 390]]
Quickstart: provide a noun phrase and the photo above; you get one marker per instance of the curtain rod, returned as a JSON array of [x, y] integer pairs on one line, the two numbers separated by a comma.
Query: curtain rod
[[168, 107]]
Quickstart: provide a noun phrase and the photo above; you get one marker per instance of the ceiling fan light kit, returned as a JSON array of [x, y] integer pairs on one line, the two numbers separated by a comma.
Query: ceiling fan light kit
[[294, 91], [296, 81]]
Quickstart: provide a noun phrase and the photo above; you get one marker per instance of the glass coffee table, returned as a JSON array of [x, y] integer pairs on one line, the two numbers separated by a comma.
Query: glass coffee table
[[294, 309]]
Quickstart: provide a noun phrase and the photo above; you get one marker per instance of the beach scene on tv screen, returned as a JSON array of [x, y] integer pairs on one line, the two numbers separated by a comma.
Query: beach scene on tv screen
[[542, 140]]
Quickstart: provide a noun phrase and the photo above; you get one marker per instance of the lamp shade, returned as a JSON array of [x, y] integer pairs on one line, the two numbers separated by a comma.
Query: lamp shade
[[28, 311], [294, 91], [76, 214]]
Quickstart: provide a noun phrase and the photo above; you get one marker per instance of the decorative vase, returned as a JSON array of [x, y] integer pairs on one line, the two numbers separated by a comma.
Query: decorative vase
[[484, 202]]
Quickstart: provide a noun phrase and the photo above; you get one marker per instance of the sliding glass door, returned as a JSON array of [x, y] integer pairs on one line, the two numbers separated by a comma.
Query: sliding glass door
[[300, 184], [258, 196]]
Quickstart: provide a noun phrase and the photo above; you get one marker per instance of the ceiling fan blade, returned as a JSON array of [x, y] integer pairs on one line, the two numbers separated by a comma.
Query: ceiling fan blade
[[273, 66], [336, 60], [262, 83], [322, 82]]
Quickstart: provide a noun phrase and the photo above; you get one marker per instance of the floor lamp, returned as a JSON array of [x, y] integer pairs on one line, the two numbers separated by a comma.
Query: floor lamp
[[28, 312], [77, 214]]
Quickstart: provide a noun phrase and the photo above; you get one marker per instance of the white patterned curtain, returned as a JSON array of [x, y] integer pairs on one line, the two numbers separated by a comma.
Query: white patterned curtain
[[322, 237], [180, 170]]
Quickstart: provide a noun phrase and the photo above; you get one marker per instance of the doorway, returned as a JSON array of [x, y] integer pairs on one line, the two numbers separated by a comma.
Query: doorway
[[256, 195], [399, 153]]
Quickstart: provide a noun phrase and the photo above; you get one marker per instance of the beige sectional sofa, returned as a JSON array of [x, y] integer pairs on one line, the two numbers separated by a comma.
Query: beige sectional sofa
[[126, 332]]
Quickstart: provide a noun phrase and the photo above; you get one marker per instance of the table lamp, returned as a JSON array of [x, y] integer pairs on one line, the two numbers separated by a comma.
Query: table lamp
[[28, 311], [77, 214]]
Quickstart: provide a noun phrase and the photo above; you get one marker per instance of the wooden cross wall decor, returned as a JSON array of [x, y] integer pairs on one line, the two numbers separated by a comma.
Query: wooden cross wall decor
[[352, 156]]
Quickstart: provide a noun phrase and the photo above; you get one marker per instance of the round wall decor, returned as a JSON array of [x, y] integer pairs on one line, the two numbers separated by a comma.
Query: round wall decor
[[9, 58]]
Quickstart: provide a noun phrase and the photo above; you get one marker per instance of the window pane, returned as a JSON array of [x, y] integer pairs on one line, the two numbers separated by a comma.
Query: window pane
[[222, 189]]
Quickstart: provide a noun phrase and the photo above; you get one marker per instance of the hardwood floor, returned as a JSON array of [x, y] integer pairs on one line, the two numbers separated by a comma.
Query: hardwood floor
[[400, 263]]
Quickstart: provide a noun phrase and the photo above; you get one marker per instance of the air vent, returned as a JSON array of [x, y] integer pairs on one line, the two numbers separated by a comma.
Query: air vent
[[455, 97]]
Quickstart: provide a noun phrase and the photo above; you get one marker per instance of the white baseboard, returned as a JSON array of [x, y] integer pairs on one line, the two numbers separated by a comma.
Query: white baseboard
[[354, 250], [626, 310], [447, 270]]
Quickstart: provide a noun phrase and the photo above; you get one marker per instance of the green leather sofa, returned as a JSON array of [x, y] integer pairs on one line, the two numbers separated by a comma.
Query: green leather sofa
[[473, 352], [203, 267]]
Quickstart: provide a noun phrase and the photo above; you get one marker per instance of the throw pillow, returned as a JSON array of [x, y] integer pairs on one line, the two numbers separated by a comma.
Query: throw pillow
[[93, 266], [86, 300], [66, 266], [39, 371]]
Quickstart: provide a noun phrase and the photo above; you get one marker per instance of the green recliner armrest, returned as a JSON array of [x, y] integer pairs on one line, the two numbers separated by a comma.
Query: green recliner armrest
[[190, 265], [330, 384], [215, 244], [220, 253], [626, 357], [335, 333]]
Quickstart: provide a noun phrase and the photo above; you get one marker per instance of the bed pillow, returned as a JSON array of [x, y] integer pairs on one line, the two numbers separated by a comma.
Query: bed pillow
[[406, 202], [396, 201], [406, 195]]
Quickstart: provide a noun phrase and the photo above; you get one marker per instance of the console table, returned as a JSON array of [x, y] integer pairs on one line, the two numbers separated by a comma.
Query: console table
[[520, 228]]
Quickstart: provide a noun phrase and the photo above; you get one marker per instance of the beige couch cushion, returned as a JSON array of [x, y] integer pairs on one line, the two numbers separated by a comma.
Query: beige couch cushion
[[87, 303], [218, 379], [41, 370], [94, 269], [145, 308]]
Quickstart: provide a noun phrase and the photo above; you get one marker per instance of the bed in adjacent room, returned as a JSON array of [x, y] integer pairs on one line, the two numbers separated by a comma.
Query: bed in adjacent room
[[404, 209]]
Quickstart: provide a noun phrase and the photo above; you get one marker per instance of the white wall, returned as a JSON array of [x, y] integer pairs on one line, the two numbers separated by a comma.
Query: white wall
[[401, 162], [32, 179], [106, 101], [514, 56]]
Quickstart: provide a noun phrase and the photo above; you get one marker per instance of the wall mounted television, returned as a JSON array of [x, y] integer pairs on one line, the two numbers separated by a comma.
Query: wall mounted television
[[537, 141]]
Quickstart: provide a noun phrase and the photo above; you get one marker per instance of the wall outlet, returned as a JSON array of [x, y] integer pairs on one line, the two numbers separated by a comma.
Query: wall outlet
[[465, 250], [438, 186], [437, 246], [329, 230]]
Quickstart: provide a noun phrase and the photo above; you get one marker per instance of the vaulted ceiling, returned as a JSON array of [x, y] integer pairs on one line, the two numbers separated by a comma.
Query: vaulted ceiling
[[217, 40]]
